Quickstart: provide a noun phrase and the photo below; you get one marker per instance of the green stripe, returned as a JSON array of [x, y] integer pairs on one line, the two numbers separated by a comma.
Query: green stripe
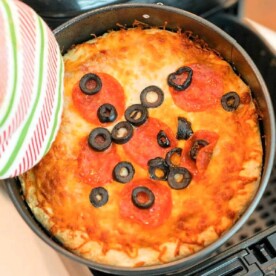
[[26, 127], [56, 118], [15, 73]]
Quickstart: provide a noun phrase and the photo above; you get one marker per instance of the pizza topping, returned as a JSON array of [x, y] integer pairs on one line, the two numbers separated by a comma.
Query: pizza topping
[[99, 139], [94, 167], [90, 84], [181, 79], [107, 113], [87, 105], [155, 215], [98, 197], [179, 178], [158, 169], [197, 145], [152, 96], [162, 139], [142, 197], [144, 142], [173, 157], [136, 114], [123, 172], [204, 92], [197, 155], [230, 101], [122, 132], [184, 129]]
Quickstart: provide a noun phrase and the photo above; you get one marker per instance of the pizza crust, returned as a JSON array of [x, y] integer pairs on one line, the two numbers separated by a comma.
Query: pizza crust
[[202, 212]]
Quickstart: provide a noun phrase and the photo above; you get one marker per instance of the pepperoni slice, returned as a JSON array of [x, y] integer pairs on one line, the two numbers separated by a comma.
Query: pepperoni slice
[[156, 214], [204, 155], [95, 168], [111, 92], [204, 92], [144, 146]]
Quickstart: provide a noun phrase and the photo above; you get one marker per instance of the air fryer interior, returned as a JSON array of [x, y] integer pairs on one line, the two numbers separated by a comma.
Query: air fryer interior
[[98, 22]]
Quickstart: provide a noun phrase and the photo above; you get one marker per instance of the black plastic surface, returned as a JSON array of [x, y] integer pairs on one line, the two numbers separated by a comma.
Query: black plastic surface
[[255, 256], [55, 12], [66, 8]]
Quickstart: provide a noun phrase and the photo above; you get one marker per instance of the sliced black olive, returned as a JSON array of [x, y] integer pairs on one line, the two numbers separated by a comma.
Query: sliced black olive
[[173, 77], [158, 168], [107, 113], [162, 139], [179, 178], [98, 197], [90, 84], [136, 114], [197, 145], [184, 129], [171, 155], [230, 101], [123, 172], [145, 95], [142, 197], [99, 139], [122, 132]]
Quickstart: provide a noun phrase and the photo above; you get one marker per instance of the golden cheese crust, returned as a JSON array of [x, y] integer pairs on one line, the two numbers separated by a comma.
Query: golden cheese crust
[[57, 190]]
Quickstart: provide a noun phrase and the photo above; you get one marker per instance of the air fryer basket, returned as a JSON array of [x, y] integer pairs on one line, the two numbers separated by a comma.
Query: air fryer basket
[[101, 20]]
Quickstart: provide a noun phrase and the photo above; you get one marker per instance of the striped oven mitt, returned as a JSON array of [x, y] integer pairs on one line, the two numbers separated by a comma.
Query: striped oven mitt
[[31, 88]]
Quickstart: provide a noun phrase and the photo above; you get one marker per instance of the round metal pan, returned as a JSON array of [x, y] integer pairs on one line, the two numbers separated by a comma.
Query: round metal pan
[[101, 20]]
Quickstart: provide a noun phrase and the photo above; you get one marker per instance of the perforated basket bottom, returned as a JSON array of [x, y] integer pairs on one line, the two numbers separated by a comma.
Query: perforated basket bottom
[[262, 218]]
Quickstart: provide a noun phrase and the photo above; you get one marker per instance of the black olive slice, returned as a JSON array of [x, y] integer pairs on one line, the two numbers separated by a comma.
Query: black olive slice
[[197, 145], [107, 113], [123, 172], [184, 129], [142, 197], [173, 76], [136, 114], [158, 168], [146, 94], [122, 132], [162, 139], [98, 197], [99, 139], [90, 84], [230, 101], [170, 157], [179, 178]]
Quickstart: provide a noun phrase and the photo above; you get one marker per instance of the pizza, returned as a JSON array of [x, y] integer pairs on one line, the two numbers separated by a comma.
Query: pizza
[[158, 154]]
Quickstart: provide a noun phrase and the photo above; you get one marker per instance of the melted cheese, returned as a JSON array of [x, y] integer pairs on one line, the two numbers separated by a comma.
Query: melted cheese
[[209, 206]]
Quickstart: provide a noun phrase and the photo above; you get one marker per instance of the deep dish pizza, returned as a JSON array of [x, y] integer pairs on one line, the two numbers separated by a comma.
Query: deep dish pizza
[[158, 153]]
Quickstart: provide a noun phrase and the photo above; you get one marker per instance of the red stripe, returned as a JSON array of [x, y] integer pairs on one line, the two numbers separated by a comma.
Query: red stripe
[[24, 162], [28, 72], [4, 59], [47, 109], [28, 163], [44, 125], [40, 133], [34, 148], [37, 144], [31, 154], [27, 27]]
